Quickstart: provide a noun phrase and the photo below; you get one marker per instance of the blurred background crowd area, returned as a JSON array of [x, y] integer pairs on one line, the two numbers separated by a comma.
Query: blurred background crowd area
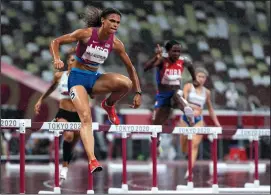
[[231, 39]]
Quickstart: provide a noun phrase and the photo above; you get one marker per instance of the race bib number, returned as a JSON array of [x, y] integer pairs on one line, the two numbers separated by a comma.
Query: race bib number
[[72, 94]]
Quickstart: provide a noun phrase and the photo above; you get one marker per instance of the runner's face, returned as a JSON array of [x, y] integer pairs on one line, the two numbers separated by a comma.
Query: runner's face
[[201, 78], [71, 61], [175, 52], [111, 23]]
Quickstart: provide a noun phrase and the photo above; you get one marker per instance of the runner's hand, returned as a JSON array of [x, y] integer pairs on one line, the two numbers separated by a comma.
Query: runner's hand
[[158, 51], [58, 64], [136, 101], [37, 107]]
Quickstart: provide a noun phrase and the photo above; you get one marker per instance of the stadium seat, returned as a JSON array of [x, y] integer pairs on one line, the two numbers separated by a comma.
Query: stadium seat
[[228, 38]]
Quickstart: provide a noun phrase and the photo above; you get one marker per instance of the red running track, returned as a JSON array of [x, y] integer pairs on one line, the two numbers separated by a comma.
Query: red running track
[[77, 181]]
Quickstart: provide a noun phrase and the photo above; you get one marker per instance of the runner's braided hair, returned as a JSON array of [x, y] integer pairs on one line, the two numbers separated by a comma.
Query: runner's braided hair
[[92, 16]]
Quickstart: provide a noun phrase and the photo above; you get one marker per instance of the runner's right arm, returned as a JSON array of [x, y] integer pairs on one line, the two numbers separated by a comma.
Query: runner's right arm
[[155, 61], [48, 91]]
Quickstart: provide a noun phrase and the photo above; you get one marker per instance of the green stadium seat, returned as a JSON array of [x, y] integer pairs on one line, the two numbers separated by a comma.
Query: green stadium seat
[[191, 18], [220, 66], [216, 53], [238, 39], [32, 68], [262, 22], [249, 60], [262, 67]]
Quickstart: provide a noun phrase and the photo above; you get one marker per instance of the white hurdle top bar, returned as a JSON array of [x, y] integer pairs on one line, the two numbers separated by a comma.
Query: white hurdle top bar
[[136, 128], [15, 122], [252, 132], [71, 126], [197, 130]]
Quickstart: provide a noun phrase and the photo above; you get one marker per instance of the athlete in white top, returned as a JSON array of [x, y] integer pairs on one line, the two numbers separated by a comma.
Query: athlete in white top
[[66, 112], [63, 86], [197, 97]]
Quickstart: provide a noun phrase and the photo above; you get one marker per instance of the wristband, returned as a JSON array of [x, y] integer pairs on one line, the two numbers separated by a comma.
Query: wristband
[[138, 92]]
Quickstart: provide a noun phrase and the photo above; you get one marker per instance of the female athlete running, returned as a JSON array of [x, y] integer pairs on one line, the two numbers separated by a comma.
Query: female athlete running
[[197, 97], [168, 77], [94, 44], [66, 112]]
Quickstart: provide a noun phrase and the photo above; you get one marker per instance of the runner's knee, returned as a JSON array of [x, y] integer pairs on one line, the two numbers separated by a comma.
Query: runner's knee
[[195, 144], [68, 136], [126, 84], [85, 118]]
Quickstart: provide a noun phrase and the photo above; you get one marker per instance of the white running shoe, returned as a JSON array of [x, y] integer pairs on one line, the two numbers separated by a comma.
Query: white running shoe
[[179, 93], [188, 111], [63, 174]]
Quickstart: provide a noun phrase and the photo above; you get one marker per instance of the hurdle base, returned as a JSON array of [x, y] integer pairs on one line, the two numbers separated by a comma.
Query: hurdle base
[[154, 189], [189, 186], [90, 192], [250, 190], [32, 168], [116, 191], [240, 167], [181, 189], [256, 184], [57, 190], [185, 191], [117, 167], [215, 188], [124, 187]]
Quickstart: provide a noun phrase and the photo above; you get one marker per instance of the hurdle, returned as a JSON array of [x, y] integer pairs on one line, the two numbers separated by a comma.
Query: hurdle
[[57, 128], [21, 124], [132, 168], [11, 167], [243, 167], [135, 168], [143, 129], [189, 132], [111, 137], [189, 189], [124, 130], [254, 135]]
